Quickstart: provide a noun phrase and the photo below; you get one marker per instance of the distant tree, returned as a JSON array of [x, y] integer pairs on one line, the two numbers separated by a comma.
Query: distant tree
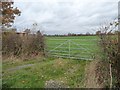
[[8, 13], [87, 34], [69, 34]]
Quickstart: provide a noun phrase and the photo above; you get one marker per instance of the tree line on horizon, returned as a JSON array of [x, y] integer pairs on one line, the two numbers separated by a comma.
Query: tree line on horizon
[[86, 34]]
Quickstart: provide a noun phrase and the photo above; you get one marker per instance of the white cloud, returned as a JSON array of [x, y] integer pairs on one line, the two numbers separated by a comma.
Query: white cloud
[[64, 16]]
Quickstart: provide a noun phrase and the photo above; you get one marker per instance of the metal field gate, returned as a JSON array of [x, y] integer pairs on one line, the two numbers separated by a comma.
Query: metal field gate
[[84, 49]]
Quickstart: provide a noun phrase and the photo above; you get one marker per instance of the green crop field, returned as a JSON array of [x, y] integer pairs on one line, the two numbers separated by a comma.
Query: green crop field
[[72, 46]]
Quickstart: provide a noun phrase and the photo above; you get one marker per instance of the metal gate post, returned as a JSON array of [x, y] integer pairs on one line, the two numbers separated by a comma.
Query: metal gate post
[[69, 49]]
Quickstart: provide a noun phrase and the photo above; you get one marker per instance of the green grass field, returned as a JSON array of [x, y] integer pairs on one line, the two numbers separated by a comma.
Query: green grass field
[[77, 47], [69, 72]]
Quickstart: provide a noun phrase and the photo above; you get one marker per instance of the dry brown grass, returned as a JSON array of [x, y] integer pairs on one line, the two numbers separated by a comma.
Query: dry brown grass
[[91, 78]]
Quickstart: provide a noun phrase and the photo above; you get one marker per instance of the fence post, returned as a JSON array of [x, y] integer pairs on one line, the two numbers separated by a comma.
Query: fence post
[[69, 49]]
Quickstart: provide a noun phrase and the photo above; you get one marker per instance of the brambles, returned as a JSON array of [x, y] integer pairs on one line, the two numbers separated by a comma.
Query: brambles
[[22, 44], [109, 46]]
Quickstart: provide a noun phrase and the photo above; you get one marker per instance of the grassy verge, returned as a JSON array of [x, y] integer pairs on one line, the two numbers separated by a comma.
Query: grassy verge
[[70, 72]]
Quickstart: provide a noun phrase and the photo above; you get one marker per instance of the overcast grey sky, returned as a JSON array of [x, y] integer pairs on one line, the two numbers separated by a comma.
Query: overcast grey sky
[[65, 16]]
